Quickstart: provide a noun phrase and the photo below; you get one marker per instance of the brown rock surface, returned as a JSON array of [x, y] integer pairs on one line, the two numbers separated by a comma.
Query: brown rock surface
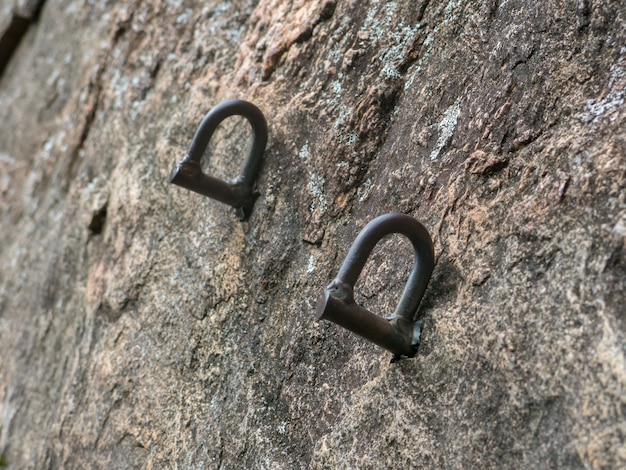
[[142, 325]]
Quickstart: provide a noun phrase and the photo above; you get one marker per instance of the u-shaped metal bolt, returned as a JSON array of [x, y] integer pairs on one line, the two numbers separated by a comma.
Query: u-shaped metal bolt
[[398, 333], [240, 193]]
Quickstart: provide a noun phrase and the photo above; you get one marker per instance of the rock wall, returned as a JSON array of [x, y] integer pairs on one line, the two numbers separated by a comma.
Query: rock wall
[[142, 325]]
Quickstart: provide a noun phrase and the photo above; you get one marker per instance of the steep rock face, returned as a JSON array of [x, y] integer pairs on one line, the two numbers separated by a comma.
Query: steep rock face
[[142, 325]]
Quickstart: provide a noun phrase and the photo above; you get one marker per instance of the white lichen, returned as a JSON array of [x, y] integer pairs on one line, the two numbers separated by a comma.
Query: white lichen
[[446, 127], [316, 184], [395, 54], [612, 103], [184, 17], [344, 115], [119, 85], [304, 152], [451, 11], [336, 85], [316, 187], [620, 226], [364, 190], [377, 22], [311, 266], [350, 138], [379, 27]]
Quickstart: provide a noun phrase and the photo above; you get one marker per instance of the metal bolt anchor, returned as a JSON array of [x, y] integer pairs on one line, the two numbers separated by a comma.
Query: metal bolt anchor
[[240, 193], [398, 333]]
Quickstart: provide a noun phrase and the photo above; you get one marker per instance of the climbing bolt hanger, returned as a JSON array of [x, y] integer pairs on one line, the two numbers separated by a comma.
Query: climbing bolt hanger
[[398, 333], [240, 193]]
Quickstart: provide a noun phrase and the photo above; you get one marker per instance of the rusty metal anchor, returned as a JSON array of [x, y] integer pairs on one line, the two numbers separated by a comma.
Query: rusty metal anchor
[[240, 193], [398, 333]]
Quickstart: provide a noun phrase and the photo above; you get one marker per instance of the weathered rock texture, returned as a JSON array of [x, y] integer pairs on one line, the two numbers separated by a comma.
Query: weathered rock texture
[[15, 18], [142, 325]]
